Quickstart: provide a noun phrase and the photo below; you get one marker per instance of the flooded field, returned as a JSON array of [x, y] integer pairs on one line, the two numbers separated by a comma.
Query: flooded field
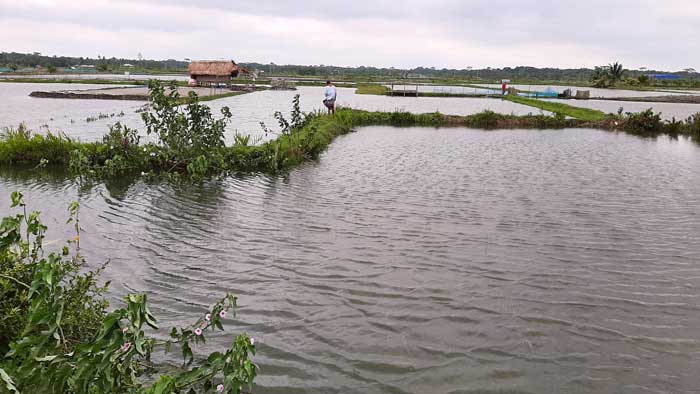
[[424, 261], [69, 115]]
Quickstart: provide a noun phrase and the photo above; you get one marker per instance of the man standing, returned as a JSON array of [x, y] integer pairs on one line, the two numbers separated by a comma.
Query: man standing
[[330, 96]]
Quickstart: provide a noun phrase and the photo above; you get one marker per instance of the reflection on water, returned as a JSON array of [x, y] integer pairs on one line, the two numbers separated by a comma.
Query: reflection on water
[[423, 260]]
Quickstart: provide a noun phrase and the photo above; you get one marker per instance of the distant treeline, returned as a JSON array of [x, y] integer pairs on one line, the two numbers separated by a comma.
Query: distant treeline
[[521, 73], [22, 60]]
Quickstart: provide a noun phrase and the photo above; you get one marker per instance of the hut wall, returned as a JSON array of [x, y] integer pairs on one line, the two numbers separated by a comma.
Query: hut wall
[[212, 79]]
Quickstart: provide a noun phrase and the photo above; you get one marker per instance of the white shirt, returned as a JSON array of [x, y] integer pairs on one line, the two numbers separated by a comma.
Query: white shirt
[[331, 93]]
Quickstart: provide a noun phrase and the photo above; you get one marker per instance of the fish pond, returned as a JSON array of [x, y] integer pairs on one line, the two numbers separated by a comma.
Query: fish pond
[[422, 260]]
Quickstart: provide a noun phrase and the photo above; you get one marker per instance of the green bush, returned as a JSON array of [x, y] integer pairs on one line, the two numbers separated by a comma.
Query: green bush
[[645, 122], [484, 120], [62, 340]]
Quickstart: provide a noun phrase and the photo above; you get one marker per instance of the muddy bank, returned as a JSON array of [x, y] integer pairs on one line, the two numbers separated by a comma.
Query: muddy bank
[[89, 96], [678, 99], [139, 93]]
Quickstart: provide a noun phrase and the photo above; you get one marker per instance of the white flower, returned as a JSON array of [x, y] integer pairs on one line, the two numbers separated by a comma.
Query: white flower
[[143, 173], [153, 154], [144, 149], [207, 316], [125, 330], [220, 388], [197, 331], [252, 341]]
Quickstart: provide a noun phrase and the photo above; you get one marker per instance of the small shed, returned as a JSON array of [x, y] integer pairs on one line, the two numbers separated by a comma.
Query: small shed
[[214, 72]]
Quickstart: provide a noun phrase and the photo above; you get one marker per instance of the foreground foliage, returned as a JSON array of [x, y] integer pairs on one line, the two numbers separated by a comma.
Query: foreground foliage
[[61, 339]]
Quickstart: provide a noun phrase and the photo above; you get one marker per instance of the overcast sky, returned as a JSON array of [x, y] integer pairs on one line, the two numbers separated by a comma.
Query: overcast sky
[[433, 33]]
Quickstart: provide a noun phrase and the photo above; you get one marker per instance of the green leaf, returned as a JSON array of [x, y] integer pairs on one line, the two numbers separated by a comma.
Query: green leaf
[[165, 385], [17, 199], [45, 359], [9, 384]]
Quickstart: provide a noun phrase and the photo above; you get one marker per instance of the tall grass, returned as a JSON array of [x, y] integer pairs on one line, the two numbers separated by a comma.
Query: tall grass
[[372, 88], [20, 146]]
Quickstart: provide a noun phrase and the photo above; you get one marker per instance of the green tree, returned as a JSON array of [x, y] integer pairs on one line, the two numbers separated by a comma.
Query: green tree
[[51, 68], [599, 78], [643, 79], [615, 72]]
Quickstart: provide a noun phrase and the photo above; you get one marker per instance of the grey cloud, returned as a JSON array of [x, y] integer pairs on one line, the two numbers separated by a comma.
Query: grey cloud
[[437, 33]]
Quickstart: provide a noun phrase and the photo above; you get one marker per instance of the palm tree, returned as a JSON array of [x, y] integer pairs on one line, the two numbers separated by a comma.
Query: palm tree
[[615, 72]]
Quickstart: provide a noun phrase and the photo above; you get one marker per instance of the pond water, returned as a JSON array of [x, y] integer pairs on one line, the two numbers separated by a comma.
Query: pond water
[[595, 92], [424, 261], [70, 116], [446, 89], [668, 110]]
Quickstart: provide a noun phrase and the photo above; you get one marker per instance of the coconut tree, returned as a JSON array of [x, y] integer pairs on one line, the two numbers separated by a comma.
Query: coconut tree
[[615, 72]]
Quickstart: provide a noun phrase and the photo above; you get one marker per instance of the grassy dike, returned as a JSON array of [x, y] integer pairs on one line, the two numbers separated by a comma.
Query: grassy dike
[[590, 115], [303, 143], [20, 147], [372, 88]]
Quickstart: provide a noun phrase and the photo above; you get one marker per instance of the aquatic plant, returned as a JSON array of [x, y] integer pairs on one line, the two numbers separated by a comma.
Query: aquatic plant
[[62, 339], [647, 122], [20, 146]]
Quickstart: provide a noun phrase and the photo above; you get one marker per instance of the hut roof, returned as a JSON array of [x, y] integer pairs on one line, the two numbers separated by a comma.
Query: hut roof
[[219, 68]]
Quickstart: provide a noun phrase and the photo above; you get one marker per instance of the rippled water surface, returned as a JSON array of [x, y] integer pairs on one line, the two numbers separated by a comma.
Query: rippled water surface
[[425, 261]]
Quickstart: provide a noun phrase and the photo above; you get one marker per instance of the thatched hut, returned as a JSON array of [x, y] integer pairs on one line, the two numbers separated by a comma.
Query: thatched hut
[[214, 72]]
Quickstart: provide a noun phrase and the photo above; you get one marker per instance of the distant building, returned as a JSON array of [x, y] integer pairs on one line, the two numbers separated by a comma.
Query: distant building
[[214, 72], [127, 65], [667, 77]]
